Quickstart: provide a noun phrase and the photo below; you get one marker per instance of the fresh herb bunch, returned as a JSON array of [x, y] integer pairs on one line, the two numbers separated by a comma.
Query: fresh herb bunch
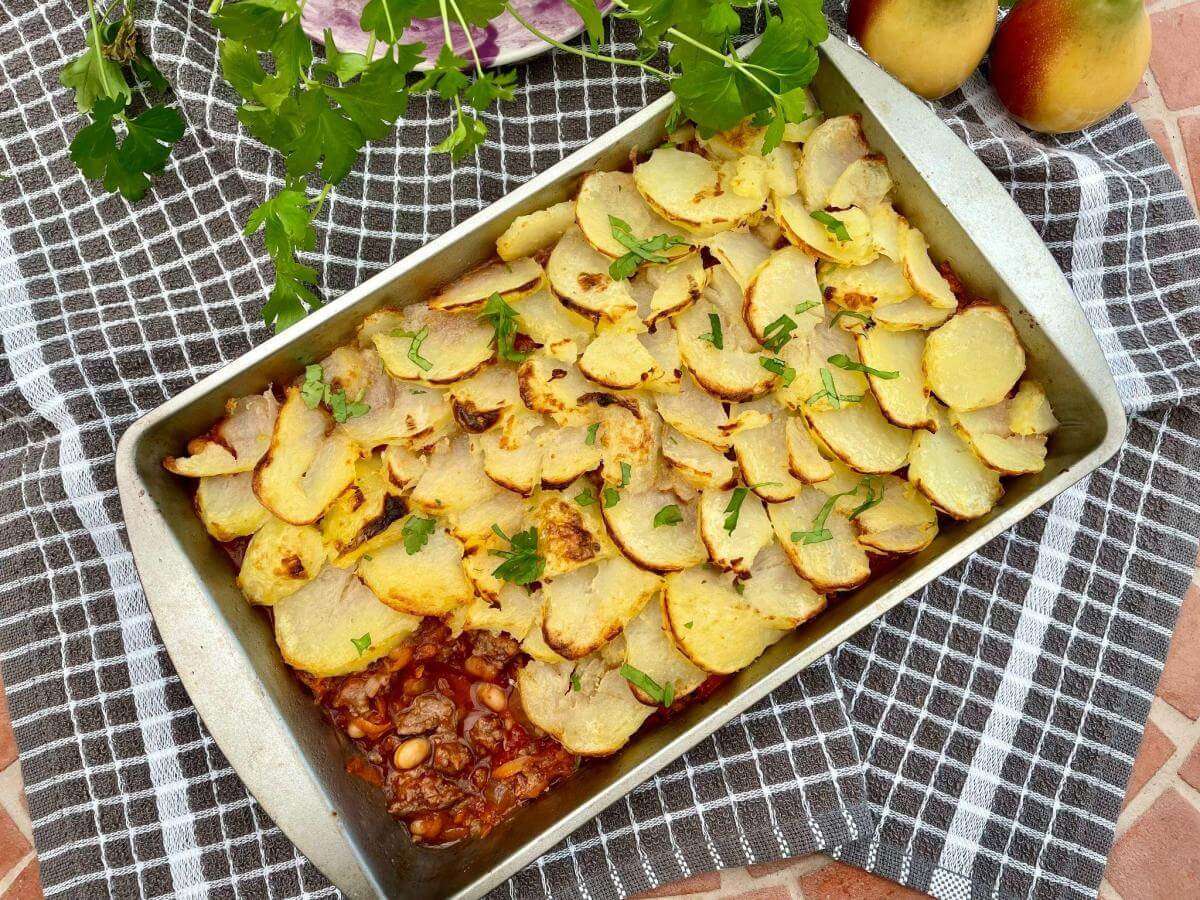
[[320, 113]]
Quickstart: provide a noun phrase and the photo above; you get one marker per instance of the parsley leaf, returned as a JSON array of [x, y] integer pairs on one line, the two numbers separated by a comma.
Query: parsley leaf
[[593, 20], [362, 644], [585, 498], [342, 407], [312, 392], [734, 509], [648, 250], [590, 440], [626, 473], [714, 335], [842, 361], [818, 533], [778, 333], [778, 367], [833, 225], [829, 390], [416, 339], [503, 319], [802, 308], [851, 314], [660, 694], [575, 683], [522, 563], [93, 76], [668, 515], [416, 532], [611, 497]]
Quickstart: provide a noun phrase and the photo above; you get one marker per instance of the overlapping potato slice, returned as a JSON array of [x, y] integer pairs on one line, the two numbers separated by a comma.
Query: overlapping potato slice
[[587, 607], [594, 719], [570, 535], [663, 546], [885, 229], [810, 360], [915, 313], [740, 252], [784, 285], [818, 239], [697, 463], [580, 278], [663, 348], [688, 190], [234, 444], [559, 332], [862, 288], [776, 593], [396, 413], [614, 194], [903, 399], [554, 388], [403, 467], [903, 522], [477, 402], [864, 183], [335, 625], [860, 436], [429, 582], [453, 481], [228, 507], [474, 528], [616, 359], [512, 280], [944, 468], [512, 454], [990, 433], [832, 560], [804, 459], [734, 528], [279, 560], [762, 454], [629, 437], [1030, 411], [534, 642], [713, 626], [566, 455], [696, 414], [673, 287], [920, 271], [650, 648], [828, 152], [975, 359], [432, 347], [530, 233], [360, 519], [514, 612], [307, 465], [726, 372]]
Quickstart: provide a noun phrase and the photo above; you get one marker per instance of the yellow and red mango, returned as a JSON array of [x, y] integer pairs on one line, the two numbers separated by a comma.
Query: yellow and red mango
[[931, 46], [1061, 65]]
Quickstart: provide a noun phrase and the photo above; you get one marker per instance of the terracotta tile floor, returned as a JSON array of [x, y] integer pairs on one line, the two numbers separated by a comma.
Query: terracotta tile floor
[[1158, 836]]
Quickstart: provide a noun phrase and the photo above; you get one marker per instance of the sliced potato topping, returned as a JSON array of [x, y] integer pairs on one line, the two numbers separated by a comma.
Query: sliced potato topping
[[607, 195], [903, 522], [579, 276], [228, 507], [885, 229], [920, 271], [512, 452], [616, 359], [898, 379], [1030, 412], [427, 582], [782, 298], [740, 251], [863, 288], [395, 413], [453, 481], [734, 528], [650, 648], [435, 347], [560, 333], [712, 624], [536, 231], [571, 535], [512, 280], [864, 183], [990, 433], [566, 455], [762, 454], [777, 593], [554, 388], [915, 313], [478, 401], [688, 190], [360, 518], [860, 436], [655, 530], [587, 607], [234, 444], [726, 372], [279, 560], [975, 359], [696, 414], [674, 287], [944, 468], [804, 459], [698, 464], [819, 540], [514, 613]]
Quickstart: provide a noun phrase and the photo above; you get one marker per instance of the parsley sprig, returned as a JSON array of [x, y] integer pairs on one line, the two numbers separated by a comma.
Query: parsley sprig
[[829, 391], [662, 694], [522, 562], [842, 361], [649, 250], [314, 391], [833, 225], [503, 318], [817, 533]]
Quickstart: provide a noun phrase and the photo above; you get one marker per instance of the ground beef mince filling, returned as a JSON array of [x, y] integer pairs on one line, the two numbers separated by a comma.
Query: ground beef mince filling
[[481, 763]]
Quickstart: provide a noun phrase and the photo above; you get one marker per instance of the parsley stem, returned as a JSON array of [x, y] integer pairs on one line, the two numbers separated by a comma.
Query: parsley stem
[[370, 54], [728, 59], [467, 32], [99, 51], [445, 24], [598, 57], [320, 201]]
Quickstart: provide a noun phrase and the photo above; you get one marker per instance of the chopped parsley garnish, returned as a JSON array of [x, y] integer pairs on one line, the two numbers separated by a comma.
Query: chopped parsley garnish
[[778, 333], [714, 336], [833, 225], [740, 587], [850, 314], [416, 338], [734, 509], [802, 308], [649, 250], [626, 473], [522, 564], [668, 515], [818, 533], [590, 440], [830, 391], [585, 498], [777, 366], [842, 361], [688, 624], [503, 318], [343, 408], [663, 695], [611, 498], [362, 644], [575, 684], [416, 532], [315, 390]]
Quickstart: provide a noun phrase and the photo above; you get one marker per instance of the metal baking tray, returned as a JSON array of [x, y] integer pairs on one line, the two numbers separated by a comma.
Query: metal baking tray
[[263, 720]]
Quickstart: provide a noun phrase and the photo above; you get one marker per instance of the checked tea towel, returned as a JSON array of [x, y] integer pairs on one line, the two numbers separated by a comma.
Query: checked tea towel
[[976, 741]]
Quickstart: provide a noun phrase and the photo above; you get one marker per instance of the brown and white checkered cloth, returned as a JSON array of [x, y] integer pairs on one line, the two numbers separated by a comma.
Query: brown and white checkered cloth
[[976, 741]]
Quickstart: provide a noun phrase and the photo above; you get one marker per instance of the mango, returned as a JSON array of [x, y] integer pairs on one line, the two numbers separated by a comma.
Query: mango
[[931, 46], [1062, 65]]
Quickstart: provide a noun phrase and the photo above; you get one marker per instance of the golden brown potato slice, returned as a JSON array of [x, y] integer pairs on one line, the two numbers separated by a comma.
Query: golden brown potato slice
[[595, 719], [696, 414], [885, 229], [629, 437], [663, 348], [526, 235], [655, 530], [617, 360], [762, 454], [688, 190], [279, 560], [429, 582], [566, 455], [828, 152], [784, 285], [698, 464], [975, 359], [586, 608], [514, 612], [435, 347], [554, 388], [944, 468], [228, 507], [862, 288], [512, 280], [561, 333], [334, 625], [1029, 412], [831, 560], [234, 444], [512, 454], [359, 518], [712, 625], [920, 271], [804, 459], [740, 251], [674, 287], [904, 398], [605, 194], [809, 359], [477, 402], [403, 467], [860, 436], [579, 276], [726, 372], [989, 432], [308, 464], [453, 481], [534, 642], [734, 528], [773, 590], [570, 535], [911, 314], [650, 648], [903, 522], [865, 183], [840, 236]]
